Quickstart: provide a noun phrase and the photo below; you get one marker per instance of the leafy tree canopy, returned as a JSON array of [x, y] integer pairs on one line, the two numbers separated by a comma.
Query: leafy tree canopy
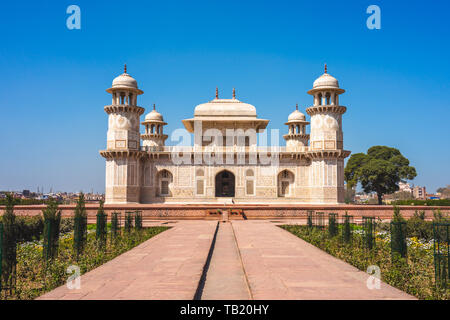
[[380, 170], [445, 191]]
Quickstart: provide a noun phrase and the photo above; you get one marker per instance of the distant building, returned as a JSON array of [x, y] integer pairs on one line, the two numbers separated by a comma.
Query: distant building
[[362, 197], [420, 193], [404, 186]]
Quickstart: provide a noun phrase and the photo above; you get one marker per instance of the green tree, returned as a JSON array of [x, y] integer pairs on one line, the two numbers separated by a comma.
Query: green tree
[[397, 217], [80, 225], [101, 227], [349, 195], [380, 170], [403, 195], [444, 191], [52, 222], [9, 244]]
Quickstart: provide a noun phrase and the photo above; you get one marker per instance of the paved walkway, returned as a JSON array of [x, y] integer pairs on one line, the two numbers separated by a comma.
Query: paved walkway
[[251, 259], [167, 266], [225, 279], [281, 266]]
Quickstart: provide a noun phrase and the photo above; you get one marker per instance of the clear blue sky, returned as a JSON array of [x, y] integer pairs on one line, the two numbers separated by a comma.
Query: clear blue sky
[[53, 79]]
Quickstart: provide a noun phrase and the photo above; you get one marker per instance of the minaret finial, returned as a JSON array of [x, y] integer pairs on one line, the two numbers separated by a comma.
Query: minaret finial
[[326, 69], [154, 107], [234, 93], [296, 106], [125, 68], [217, 93]]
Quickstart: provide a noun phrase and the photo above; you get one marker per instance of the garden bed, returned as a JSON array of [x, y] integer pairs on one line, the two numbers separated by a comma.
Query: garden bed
[[414, 274], [35, 276]]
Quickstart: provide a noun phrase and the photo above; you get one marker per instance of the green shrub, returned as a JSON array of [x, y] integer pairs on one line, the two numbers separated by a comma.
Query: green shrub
[[80, 225], [9, 245], [66, 225], [398, 239], [397, 217], [101, 228], [429, 202], [22, 202], [128, 220], [29, 228], [138, 220], [309, 221], [52, 221], [439, 216], [332, 225], [115, 224], [416, 226]]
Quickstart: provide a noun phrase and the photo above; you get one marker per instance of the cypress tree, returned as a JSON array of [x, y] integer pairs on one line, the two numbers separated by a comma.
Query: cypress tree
[[9, 245], [80, 226], [52, 222], [101, 230]]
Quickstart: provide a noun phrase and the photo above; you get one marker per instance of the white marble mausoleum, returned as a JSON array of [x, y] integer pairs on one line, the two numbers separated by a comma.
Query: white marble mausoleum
[[226, 163]]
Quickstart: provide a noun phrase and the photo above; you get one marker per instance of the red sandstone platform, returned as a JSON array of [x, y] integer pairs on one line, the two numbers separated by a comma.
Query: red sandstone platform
[[251, 211]]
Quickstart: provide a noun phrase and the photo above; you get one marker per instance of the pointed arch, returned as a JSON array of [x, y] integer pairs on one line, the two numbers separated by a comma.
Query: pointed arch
[[225, 184], [165, 180], [285, 183]]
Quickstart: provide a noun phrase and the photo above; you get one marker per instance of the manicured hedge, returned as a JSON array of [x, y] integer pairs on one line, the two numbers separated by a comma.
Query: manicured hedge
[[18, 201], [30, 228], [441, 202]]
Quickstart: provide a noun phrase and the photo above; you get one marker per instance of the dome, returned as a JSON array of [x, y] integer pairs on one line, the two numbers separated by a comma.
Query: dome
[[326, 81], [225, 108], [125, 80], [296, 116], [154, 116]]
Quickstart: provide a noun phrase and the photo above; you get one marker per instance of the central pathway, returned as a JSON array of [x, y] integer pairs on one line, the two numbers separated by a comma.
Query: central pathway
[[225, 278], [250, 259]]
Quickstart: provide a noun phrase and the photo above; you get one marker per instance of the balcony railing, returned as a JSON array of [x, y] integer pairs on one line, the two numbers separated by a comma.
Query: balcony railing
[[231, 149]]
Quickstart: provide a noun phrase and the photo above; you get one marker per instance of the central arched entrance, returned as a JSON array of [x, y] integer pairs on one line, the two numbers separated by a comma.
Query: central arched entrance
[[225, 181]]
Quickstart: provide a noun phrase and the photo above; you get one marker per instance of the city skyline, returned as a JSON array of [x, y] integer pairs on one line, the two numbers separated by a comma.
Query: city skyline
[[179, 53]]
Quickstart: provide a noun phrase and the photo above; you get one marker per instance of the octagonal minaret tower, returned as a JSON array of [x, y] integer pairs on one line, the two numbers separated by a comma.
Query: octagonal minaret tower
[[154, 136], [327, 141], [123, 141], [326, 114], [297, 138]]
